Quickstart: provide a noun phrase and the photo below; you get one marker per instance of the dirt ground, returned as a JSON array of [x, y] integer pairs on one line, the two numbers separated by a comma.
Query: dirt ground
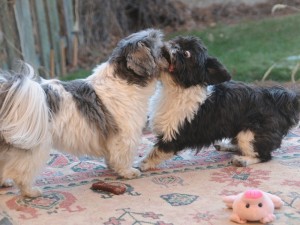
[[172, 16], [205, 3], [230, 11]]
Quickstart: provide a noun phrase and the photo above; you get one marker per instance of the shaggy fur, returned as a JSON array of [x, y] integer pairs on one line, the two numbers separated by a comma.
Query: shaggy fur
[[100, 116], [187, 113]]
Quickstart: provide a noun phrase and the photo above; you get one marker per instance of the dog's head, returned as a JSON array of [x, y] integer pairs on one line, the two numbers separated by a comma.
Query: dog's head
[[136, 57], [189, 63]]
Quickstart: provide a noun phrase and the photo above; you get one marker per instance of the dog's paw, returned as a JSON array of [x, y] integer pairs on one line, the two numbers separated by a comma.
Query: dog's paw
[[7, 183], [31, 192], [147, 165], [239, 161], [130, 173], [243, 161]]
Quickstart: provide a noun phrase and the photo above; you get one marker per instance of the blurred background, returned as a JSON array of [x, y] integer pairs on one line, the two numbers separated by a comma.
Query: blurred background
[[256, 39]]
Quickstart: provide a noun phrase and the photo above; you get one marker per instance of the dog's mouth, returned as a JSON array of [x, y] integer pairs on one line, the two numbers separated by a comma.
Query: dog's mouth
[[166, 53]]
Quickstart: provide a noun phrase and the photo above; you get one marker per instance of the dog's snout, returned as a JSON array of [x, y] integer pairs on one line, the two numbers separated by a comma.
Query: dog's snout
[[174, 48], [173, 52]]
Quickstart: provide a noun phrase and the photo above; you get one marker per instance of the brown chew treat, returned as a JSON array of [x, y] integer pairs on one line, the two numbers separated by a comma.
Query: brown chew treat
[[112, 188]]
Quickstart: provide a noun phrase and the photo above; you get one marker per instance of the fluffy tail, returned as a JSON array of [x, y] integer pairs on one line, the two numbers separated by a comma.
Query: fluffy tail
[[288, 102], [24, 116]]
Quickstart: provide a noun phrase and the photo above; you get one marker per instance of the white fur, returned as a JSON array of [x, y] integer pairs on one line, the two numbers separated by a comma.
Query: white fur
[[29, 128], [244, 145], [24, 125], [172, 105], [249, 156], [22, 166], [128, 105], [24, 113], [225, 145]]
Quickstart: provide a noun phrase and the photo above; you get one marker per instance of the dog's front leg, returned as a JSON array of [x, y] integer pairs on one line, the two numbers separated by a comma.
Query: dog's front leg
[[22, 166], [4, 182], [154, 158], [121, 152]]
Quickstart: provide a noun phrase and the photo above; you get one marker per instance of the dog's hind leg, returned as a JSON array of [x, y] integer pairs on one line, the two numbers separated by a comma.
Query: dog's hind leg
[[245, 140], [4, 182], [22, 166], [154, 158]]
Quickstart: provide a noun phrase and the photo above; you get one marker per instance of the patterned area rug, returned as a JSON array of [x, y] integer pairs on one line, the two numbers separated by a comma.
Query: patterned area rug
[[184, 190]]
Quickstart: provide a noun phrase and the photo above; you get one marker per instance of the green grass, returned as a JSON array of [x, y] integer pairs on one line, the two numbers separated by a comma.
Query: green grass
[[78, 74], [248, 49]]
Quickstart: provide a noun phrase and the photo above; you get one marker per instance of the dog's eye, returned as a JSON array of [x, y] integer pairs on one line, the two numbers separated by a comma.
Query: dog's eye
[[142, 44], [260, 204], [187, 54], [247, 205]]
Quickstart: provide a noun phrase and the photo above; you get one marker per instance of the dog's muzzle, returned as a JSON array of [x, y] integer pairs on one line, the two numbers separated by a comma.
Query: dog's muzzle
[[169, 54]]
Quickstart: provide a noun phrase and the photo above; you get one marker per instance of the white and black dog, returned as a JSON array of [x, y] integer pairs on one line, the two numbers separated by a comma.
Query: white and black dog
[[100, 116], [187, 113]]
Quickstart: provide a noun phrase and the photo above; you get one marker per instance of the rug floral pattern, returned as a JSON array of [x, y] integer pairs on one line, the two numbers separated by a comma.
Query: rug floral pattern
[[184, 190]]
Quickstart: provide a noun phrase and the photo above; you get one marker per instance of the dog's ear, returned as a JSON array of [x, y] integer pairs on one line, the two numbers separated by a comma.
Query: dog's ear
[[216, 72], [140, 61]]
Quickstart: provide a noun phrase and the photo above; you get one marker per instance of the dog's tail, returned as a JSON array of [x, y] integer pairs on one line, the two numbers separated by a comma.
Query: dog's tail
[[24, 115], [288, 102]]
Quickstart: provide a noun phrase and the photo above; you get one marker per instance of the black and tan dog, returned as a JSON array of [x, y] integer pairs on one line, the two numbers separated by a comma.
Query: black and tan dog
[[188, 113]]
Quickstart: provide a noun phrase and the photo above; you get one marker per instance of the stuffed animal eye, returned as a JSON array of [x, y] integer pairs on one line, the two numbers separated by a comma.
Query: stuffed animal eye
[[187, 54], [260, 204], [247, 205]]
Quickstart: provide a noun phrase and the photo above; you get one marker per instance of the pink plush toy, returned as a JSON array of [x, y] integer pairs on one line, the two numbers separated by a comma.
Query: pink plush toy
[[253, 205]]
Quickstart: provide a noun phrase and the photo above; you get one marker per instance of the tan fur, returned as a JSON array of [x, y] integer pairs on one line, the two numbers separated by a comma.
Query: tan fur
[[154, 158]]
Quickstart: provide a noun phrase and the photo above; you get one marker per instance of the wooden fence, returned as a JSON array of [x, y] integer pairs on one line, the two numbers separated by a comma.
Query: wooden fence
[[43, 33]]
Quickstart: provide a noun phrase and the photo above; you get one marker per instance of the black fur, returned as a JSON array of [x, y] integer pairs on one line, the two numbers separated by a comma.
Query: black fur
[[232, 107], [90, 105], [53, 99], [199, 68]]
